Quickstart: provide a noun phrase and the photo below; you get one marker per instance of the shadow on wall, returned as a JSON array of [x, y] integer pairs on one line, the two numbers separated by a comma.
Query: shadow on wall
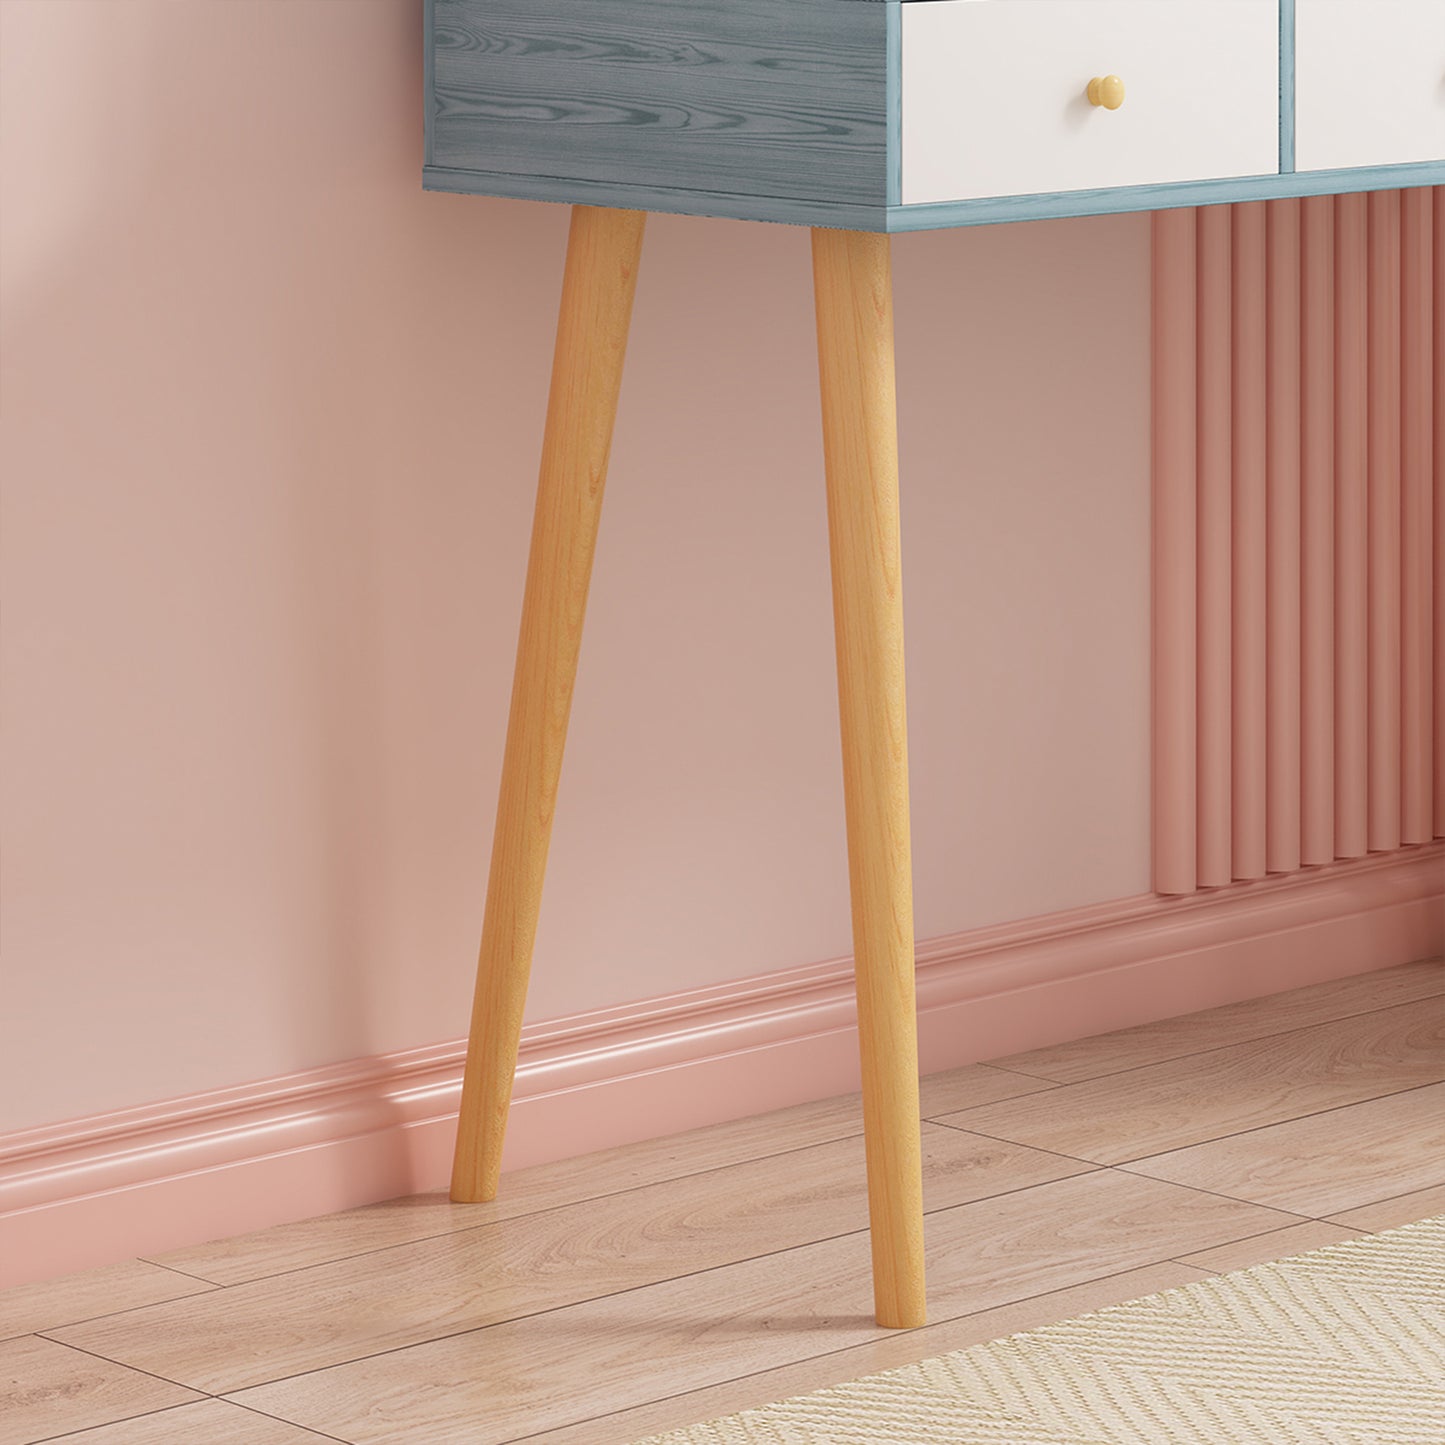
[[230, 581]]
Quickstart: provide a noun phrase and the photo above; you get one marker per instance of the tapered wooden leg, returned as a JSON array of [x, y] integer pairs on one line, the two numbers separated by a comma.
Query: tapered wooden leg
[[597, 290], [853, 290]]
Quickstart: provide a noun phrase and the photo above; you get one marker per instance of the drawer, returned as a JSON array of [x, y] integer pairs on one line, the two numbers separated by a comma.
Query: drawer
[[1369, 82], [994, 94]]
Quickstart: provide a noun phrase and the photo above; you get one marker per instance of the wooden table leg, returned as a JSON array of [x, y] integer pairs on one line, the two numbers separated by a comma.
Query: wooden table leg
[[853, 290], [597, 289]]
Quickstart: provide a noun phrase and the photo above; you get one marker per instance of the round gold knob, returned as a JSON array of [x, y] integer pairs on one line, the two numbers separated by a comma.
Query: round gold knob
[[1107, 91]]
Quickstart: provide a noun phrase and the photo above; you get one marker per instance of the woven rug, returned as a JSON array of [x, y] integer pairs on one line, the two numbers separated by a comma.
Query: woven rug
[[1341, 1346]]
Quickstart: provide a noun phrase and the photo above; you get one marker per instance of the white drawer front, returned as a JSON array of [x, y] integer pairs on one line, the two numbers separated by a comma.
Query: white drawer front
[[994, 96], [1369, 82]]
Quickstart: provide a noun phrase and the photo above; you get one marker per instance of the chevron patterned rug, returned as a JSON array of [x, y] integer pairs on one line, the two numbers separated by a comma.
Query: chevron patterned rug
[[1341, 1346]]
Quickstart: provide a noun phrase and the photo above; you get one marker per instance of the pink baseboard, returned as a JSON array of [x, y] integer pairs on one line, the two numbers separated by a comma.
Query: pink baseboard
[[159, 1177]]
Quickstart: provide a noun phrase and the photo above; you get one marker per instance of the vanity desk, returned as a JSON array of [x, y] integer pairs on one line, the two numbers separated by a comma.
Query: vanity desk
[[856, 118]]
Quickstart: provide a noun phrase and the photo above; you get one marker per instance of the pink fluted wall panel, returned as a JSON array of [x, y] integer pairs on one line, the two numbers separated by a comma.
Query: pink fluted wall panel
[[1416, 518], [1249, 515], [1317, 369], [1384, 521], [1174, 552], [1215, 482], [1283, 765], [1439, 499], [1317, 531], [1352, 522]]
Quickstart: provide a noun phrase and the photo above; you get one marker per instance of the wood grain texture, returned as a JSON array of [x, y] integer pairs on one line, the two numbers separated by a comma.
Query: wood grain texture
[[886, 1352], [775, 1339], [750, 97], [314, 1318], [49, 1389], [1234, 1023], [1263, 1248], [1392, 1213], [352, 1232], [751, 1316], [1140, 1112], [28, 1309], [1325, 1163], [727, 205], [603, 250], [207, 1422], [853, 289]]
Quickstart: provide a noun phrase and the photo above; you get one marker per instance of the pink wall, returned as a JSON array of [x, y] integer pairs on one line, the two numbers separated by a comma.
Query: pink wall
[[270, 423]]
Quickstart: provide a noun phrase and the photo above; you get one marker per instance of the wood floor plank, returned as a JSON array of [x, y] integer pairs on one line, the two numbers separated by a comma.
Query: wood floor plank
[[28, 1309], [1392, 1213], [1190, 1100], [493, 1385], [973, 1084], [1234, 1023], [330, 1313], [208, 1422], [729, 1266], [1324, 1163], [1264, 1248], [886, 1352], [47, 1389], [570, 1181]]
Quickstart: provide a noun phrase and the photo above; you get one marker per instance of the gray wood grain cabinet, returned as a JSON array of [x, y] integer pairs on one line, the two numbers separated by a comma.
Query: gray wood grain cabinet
[[890, 115], [760, 108], [856, 118]]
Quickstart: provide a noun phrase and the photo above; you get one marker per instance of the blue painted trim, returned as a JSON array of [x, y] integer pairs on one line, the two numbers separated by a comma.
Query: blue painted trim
[[893, 101], [836, 215], [938, 215], [1286, 86]]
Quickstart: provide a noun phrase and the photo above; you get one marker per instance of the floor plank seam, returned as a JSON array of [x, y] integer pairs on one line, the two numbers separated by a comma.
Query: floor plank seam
[[119, 1364], [1008, 1069], [848, 1349], [1236, 1043], [1299, 1218], [1274, 1124], [649, 1284], [1387, 1146], [471, 1228], [1020, 1144], [1295, 1216], [530, 1214], [118, 1420], [267, 1415], [184, 1274], [116, 1314], [1336, 1218]]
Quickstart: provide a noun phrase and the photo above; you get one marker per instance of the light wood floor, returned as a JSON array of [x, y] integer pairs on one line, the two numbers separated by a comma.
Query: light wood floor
[[606, 1298]]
